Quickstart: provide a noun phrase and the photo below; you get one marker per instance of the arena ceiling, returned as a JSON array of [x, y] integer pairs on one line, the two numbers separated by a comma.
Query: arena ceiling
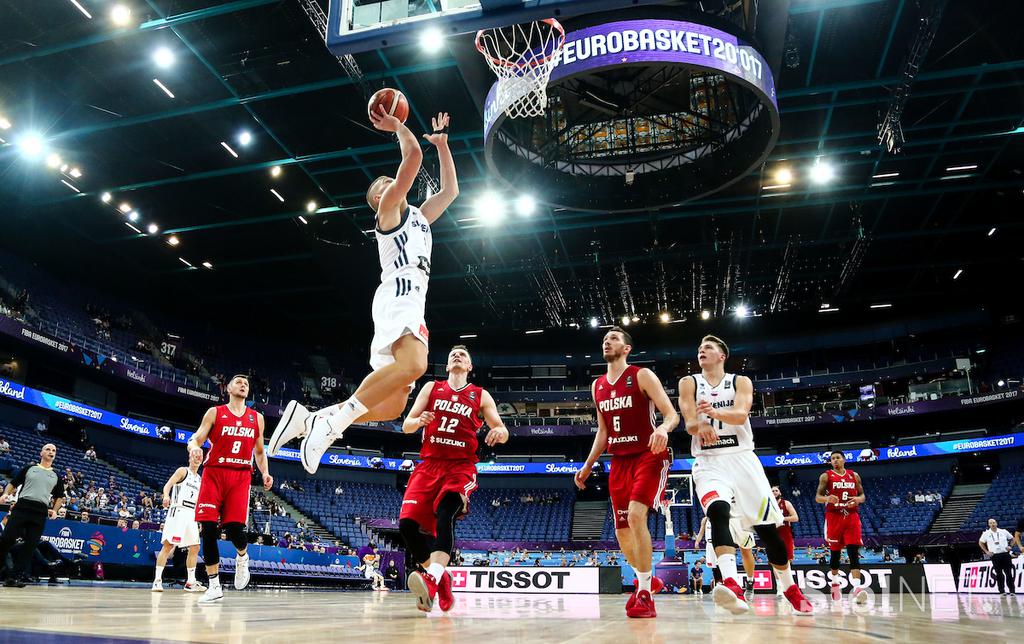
[[891, 228]]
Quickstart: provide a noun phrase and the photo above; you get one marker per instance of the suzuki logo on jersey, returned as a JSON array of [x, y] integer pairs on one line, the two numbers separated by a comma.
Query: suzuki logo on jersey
[[243, 432], [615, 403], [452, 407]]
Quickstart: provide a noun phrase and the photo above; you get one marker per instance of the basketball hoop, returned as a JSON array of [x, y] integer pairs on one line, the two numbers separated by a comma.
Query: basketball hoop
[[522, 57]]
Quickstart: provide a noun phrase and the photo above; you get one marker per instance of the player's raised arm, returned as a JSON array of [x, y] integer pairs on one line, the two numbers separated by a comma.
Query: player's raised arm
[[435, 206], [260, 454], [651, 386], [418, 414], [498, 432], [741, 404], [820, 495], [600, 444], [199, 438], [178, 476], [412, 156], [691, 419]]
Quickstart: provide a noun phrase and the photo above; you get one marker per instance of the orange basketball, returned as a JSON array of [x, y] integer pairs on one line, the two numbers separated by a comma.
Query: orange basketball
[[394, 103]]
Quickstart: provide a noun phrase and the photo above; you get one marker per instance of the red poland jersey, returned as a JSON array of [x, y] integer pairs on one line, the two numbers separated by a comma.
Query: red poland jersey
[[845, 487], [233, 439], [627, 412], [452, 434]]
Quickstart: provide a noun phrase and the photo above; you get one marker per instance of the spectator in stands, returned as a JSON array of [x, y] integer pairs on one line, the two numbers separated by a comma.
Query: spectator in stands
[[910, 497], [62, 512], [41, 426], [895, 500], [5, 447], [338, 491], [69, 480], [697, 577], [136, 525], [391, 574], [84, 516], [918, 558], [90, 454], [919, 497], [797, 492]]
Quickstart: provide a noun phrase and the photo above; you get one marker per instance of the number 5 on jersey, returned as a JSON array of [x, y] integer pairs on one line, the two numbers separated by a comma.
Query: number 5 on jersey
[[616, 426]]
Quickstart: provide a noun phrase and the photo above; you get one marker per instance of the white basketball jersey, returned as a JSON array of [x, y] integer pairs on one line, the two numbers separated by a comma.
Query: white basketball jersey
[[405, 253], [186, 493], [732, 439]]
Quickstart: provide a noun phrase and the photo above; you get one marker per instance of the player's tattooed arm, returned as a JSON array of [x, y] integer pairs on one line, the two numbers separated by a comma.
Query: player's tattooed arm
[[418, 414], [820, 496]]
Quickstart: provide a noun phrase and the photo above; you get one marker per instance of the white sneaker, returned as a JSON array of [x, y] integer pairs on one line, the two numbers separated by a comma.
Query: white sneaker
[[212, 594], [292, 425], [321, 436], [859, 596], [241, 572], [194, 587], [158, 587]]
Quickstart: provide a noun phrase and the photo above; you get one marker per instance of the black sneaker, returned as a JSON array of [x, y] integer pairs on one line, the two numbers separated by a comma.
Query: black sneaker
[[748, 586], [14, 582]]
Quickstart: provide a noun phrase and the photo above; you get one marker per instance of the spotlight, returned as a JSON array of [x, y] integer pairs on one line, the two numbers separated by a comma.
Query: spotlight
[[742, 311], [120, 15], [593, 323], [207, 265], [665, 317], [76, 173], [245, 137], [1001, 383], [783, 175], [4, 123], [625, 320], [173, 240], [133, 216], [958, 273], [125, 208], [822, 172], [163, 57], [53, 161], [525, 205], [275, 171], [106, 197], [636, 318], [31, 145], [705, 314], [311, 206], [431, 40], [153, 229], [490, 208]]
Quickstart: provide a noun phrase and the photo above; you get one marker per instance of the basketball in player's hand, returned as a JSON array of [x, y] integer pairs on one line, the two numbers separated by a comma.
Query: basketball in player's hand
[[393, 102]]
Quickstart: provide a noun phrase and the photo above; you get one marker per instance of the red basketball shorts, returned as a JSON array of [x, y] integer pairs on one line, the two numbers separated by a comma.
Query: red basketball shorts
[[636, 477], [842, 530], [224, 495], [430, 482], [787, 538]]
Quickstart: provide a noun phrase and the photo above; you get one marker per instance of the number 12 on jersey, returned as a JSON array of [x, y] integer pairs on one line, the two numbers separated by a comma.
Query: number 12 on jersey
[[447, 425]]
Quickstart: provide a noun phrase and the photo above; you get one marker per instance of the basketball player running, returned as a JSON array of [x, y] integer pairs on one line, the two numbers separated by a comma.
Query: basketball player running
[[789, 517], [181, 492], [745, 542], [450, 412], [841, 491], [398, 351], [716, 407], [625, 398], [236, 435]]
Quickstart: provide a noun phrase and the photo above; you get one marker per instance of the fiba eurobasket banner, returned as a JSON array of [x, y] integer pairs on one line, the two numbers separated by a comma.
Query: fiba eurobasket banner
[[975, 577], [540, 580]]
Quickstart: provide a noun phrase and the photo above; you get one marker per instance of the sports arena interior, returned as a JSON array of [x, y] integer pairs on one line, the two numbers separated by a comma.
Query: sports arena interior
[[183, 191]]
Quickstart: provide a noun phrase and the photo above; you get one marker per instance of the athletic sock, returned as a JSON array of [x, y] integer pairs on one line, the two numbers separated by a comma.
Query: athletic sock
[[785, 577], [435, 570], [643, 580], [191, 575], [159, 573], [339, 417], [215, 581], [727, 565]]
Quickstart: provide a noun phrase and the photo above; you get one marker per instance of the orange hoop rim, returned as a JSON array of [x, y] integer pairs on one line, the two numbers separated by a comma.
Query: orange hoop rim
[[501, 62]]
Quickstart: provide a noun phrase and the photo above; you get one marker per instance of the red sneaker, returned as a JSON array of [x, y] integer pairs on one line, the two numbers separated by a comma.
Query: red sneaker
[[445, 599], [642, 607], [729, 596], [424, 589], [657, 585], [801, 605], [836, 593]]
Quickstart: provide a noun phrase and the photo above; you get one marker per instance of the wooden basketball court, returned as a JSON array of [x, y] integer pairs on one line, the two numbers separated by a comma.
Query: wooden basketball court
[[41, 614]]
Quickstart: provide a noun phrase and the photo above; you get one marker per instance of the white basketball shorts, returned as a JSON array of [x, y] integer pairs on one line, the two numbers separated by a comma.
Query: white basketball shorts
[[180, 528], [737, 479], [398, 310]]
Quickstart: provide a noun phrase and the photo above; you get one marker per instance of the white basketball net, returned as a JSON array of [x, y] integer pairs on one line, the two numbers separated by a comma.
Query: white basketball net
[[522, 57]]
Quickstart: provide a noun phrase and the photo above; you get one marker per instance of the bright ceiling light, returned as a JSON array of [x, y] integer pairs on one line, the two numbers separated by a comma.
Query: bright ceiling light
[[885, 175], [153, 229], [53, 161], [886, 305], [992, 231], [82, 9], [742, 311], [636, 318], [303, 220], [228, 148], [69, 185], [822, 172], [173, 240], [275, 171], [185, 262], [133, 227], [593, 323], [958, 273], [106, 197], [525, 205], [783, 175], [32, 145], [121, 15], [625, 320], [431, 40], [244, 137], [277, 194], [163, 87], [665, 317], [4, 123], [958, 168], [133, 216], [125, 207], [490, 208], [207, 265], [76, 173], [705, 314], [163, 57], [311, 206], [830, 309], [535, 331]]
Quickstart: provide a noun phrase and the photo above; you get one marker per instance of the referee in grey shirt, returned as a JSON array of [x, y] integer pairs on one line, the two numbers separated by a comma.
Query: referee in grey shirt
[[997, 542], [39, 484]]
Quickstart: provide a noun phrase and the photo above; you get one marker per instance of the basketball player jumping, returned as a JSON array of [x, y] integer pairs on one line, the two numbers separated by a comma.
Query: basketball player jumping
[[716, 406], [450, 412], [398, 351], [789, 517], [181, 492], [841, 491], [236, 434], [625, 398]]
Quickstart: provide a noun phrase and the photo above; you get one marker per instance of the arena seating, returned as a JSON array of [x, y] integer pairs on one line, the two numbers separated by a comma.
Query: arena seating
[[1002, 501]]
